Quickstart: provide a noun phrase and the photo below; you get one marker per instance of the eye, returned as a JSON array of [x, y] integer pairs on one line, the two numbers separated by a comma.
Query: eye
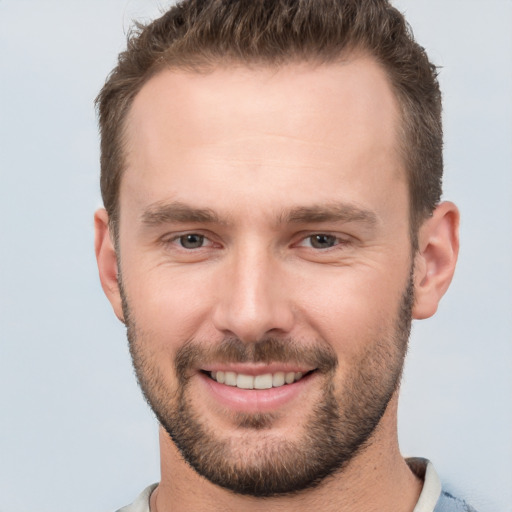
[[191, 241], [321, 241]]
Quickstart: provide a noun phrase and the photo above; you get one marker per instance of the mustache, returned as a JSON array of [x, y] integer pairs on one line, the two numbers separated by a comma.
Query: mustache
[[193, 354]]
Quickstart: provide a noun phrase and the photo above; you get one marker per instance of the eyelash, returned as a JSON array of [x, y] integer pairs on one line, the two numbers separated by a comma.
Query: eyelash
[[178, 239], [336, 241]]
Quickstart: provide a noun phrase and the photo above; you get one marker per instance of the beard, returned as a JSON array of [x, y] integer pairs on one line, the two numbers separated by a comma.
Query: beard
[[255, 461]]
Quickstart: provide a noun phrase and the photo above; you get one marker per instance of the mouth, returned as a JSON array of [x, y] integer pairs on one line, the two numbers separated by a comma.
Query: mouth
[[261, 381], [256, 389]]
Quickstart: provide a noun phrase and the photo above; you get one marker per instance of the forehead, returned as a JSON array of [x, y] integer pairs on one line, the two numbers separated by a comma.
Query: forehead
[[299, 123], [357, 87]]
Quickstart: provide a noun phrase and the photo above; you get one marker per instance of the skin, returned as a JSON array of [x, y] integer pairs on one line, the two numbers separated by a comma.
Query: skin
[[252, 146]]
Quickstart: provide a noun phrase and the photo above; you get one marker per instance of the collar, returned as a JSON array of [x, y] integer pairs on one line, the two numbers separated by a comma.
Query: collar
[[431, 491]]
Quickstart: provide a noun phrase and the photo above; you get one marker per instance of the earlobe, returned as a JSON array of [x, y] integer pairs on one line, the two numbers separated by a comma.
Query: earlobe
[[107, 261], [438, 248]]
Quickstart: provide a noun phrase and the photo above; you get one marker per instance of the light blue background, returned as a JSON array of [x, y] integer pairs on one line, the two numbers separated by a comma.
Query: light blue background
[[75, 435]]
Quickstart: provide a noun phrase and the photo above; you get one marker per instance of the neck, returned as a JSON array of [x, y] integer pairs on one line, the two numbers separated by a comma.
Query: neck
[[376, 479]]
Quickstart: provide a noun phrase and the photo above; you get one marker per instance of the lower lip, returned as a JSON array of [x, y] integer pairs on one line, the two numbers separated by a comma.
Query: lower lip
[[255, 400]]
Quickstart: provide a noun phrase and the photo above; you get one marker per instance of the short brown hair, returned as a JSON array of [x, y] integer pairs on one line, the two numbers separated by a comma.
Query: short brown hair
[[195, 34]]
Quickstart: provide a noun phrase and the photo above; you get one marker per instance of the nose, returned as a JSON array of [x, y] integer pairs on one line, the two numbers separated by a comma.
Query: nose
[[253, 299]]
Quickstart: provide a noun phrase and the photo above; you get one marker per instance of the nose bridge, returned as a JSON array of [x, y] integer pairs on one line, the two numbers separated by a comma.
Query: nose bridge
[[251, 301]]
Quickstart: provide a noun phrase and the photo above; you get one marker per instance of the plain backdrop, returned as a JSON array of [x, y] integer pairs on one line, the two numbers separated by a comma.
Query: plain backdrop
[[75, 434]]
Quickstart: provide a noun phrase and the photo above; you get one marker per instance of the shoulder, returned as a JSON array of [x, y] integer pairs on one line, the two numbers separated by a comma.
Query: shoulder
[[449, 503], [141, 504]]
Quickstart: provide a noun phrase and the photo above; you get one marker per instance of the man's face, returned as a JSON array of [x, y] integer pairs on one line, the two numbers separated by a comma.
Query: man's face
[[263, 241]]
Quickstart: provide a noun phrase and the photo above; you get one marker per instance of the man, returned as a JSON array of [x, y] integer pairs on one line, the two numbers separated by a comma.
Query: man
[[271, 174]]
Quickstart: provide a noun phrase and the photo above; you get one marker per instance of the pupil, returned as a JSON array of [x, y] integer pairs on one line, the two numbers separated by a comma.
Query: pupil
[[191, 241], [322, 241]]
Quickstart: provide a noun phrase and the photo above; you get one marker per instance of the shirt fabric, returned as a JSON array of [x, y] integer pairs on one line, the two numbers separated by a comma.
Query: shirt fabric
[[432, 498]]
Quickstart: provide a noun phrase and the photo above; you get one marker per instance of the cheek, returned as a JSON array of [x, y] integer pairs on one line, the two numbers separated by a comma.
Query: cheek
[[169, 306], [163, 318], [353, 309]]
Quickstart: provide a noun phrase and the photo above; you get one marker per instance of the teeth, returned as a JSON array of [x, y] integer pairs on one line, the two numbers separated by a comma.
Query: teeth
[[266, 381], [289, 377], [277, 379], [263, 381], [245, 381], [230, 378]]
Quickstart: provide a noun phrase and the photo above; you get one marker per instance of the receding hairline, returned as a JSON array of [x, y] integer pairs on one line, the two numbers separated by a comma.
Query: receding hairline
[[231, 64], [205, 67]]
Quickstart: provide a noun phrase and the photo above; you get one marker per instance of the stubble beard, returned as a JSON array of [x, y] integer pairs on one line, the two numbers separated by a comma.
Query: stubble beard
[[256, 462]]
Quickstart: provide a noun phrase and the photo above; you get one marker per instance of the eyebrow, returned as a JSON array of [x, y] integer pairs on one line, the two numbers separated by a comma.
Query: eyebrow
[[329, 213], [178, 212], [165, 213]]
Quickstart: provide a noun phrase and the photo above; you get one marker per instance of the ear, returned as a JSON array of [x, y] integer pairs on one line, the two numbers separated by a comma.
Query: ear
[[434, 264], [107, 261]]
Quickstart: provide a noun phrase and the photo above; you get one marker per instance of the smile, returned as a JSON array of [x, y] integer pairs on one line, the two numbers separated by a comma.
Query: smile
[[250, 389], [265, 381]]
